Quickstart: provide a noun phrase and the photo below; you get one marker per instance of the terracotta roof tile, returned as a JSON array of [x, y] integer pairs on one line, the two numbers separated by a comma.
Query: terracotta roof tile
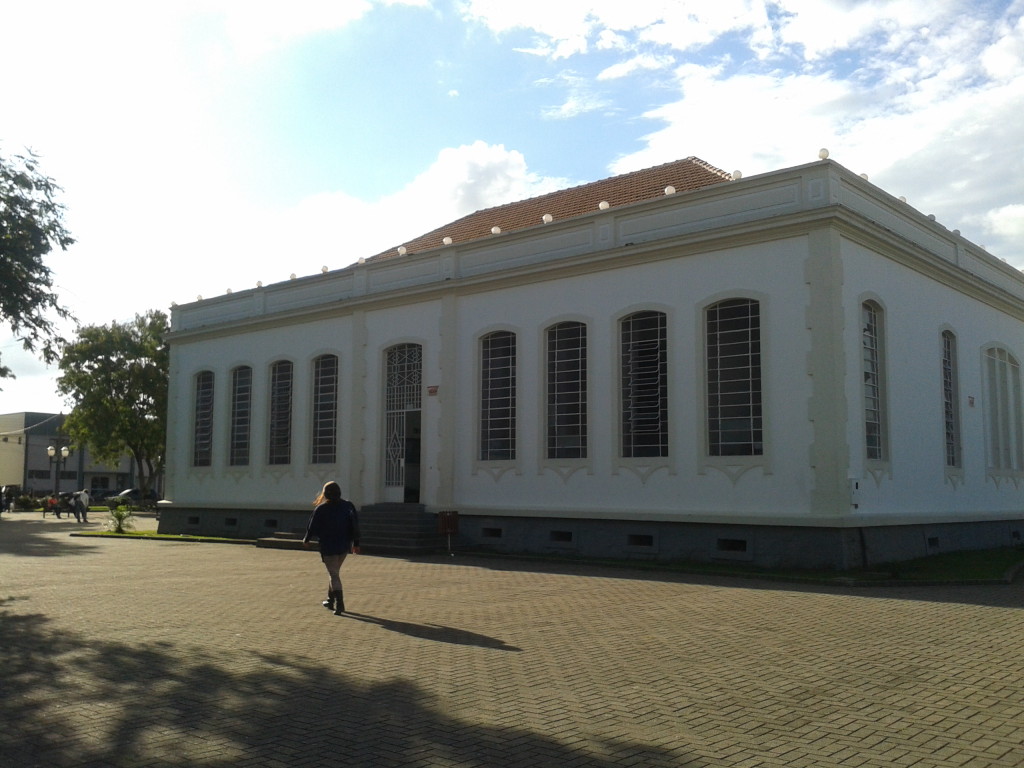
[[685, 175]]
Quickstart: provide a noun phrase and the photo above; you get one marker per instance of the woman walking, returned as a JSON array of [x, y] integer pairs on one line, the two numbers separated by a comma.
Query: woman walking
[[335, 523]]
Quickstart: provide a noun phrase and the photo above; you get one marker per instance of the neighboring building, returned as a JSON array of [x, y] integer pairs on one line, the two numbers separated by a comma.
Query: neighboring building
[[25, 463], [794, 368]]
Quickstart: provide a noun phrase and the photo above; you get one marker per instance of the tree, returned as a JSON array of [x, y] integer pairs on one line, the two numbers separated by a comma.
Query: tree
[[31, 224], [117, 377]]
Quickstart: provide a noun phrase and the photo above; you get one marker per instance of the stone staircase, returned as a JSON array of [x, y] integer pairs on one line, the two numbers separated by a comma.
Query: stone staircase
[[385, 529], [399, 529]]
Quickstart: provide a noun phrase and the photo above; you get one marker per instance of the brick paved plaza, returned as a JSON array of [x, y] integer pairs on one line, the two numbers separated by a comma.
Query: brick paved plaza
[[144, 653]]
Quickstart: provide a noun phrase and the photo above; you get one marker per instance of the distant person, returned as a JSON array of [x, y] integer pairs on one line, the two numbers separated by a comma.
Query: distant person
[[335, 522], [76, 506], [85, 499], [52, 505]]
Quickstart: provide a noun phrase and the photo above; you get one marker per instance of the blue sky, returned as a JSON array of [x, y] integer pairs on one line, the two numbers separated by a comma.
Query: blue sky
[[205, 145]]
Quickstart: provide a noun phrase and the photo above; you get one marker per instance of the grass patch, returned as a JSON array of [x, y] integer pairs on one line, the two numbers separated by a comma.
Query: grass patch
[[966, 566]]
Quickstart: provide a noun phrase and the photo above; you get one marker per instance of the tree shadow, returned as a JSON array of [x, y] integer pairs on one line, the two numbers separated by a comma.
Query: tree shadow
[[68, 700], [35, 538], [436, 632]]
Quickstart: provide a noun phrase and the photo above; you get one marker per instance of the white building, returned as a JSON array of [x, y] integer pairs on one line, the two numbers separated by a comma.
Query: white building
[[791, 368]]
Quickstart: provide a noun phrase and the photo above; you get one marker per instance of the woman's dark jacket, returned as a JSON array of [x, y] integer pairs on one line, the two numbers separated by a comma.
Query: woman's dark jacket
[[336, 524]]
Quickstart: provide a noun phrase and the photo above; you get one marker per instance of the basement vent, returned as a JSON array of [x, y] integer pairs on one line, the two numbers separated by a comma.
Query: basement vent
[[933, 542], [193, 520], [270, 523], [491, 533], [562, 537], [231, 522], [640, 540], [732, 545]]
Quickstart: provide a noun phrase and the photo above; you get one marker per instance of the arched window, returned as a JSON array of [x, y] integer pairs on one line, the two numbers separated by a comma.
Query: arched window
[[1003, 411], [202, 430], [498, 396], [279, 444], [951, 400], [733, 350], [643, 364], [241, 416], [325, 409], [873, 357], [567, 391]]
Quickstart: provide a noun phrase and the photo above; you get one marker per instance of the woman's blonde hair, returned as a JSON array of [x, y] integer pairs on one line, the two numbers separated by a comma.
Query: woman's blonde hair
[[330, 492]]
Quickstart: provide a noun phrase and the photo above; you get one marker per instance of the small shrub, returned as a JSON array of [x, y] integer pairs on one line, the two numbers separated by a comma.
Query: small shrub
[[121, 521], [26, 503]]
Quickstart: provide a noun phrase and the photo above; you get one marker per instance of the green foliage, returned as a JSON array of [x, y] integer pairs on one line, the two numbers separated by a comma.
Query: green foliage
[[121, 520], [31, 224], [26, 503], [117, 376]]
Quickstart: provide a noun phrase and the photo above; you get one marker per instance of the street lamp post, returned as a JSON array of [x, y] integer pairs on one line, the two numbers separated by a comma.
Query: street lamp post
[[58, 453]]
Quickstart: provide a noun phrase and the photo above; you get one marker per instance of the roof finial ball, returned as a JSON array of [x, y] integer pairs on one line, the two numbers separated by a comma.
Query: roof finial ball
[[737, 175], [823, 154]]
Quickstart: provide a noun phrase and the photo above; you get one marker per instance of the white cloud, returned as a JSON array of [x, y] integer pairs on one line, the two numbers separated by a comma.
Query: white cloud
[[684, 27], [256, 28], [635, 64], [1006, 222], [751, 123], [580, 98], [1004, 59], [335, 229]]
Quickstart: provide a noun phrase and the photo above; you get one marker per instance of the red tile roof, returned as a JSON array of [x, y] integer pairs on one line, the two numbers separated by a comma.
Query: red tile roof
[[685, 175]]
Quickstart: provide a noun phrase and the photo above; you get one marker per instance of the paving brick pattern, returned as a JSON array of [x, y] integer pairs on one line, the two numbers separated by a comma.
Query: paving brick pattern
[[142, 653]]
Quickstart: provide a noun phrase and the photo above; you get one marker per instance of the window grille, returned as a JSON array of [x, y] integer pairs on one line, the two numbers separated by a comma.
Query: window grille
[[950, 400], [874, 381], [241, 416], [280, 434], [498, 397], [403, 392], [734, 408], [202, 432], [644, 385], [1004, 411], [325, 409], [567, 391]]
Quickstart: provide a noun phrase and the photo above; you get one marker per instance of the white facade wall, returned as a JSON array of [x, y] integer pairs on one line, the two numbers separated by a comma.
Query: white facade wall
[[915, 481]]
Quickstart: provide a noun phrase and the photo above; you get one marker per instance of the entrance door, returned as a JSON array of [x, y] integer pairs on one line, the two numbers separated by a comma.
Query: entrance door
[[402, 398]]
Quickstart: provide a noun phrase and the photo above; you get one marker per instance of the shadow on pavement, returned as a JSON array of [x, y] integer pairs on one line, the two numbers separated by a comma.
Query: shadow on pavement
[[997, 595], [436, 632], [65, 701], [34, 538]]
